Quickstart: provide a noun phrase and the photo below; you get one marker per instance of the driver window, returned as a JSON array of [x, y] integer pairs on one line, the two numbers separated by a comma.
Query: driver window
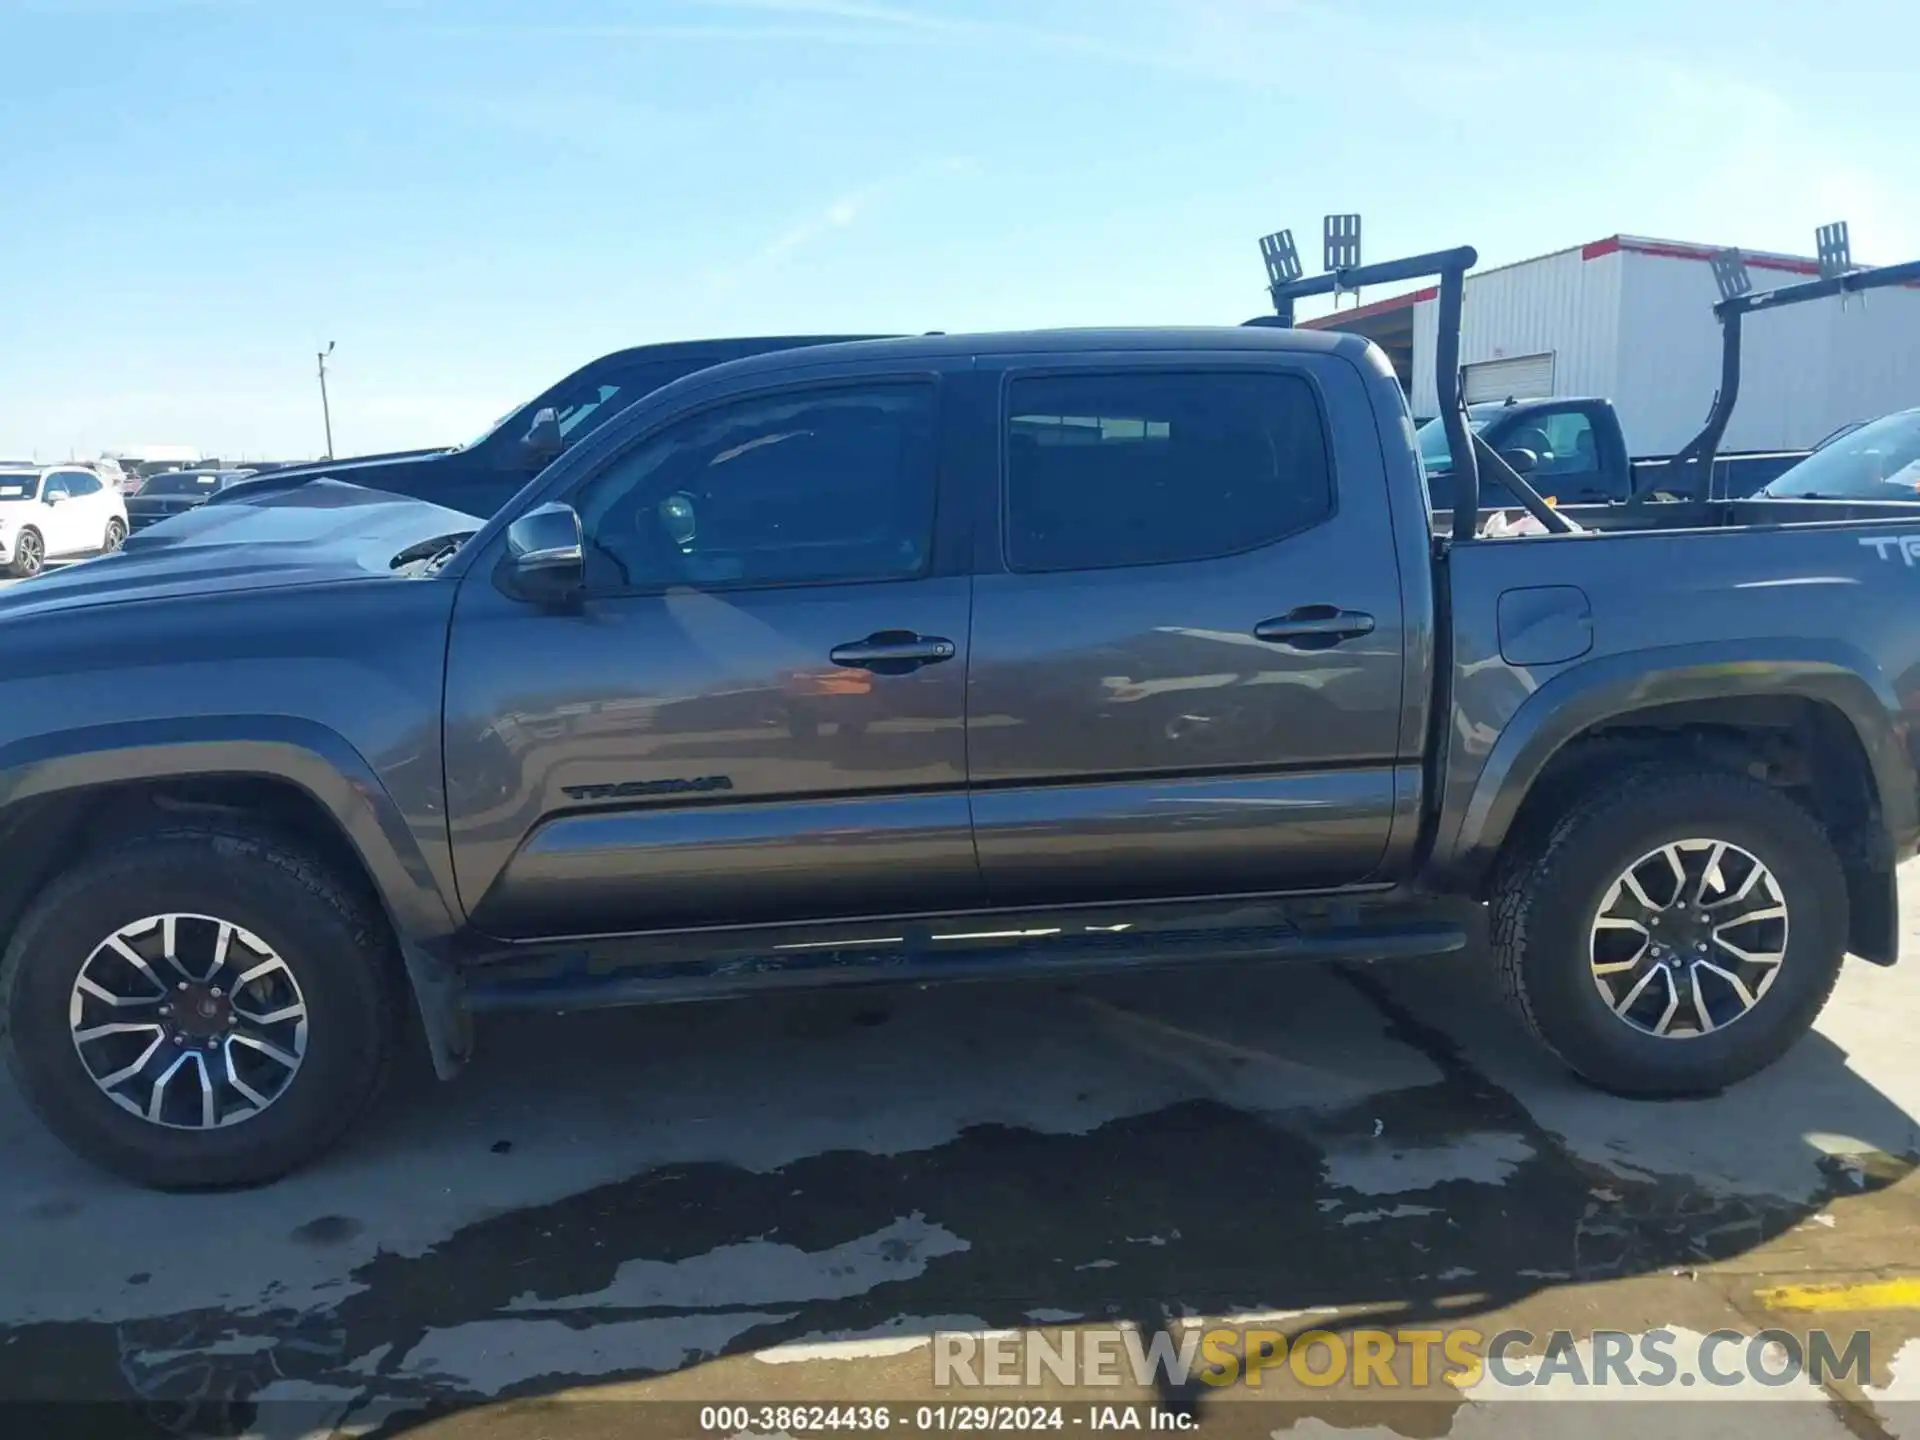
[[802, 487], [1570, 448]]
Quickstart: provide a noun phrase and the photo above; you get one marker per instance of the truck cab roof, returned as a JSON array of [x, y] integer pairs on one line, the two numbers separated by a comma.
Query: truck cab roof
[[1066, 340]]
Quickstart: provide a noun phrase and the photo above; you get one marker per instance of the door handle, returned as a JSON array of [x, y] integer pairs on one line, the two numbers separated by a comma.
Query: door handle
[[1314, 627], [892, 652]]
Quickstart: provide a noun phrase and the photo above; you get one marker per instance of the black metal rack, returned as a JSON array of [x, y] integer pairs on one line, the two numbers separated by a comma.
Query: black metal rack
[[1692, 467], [1344, 275]]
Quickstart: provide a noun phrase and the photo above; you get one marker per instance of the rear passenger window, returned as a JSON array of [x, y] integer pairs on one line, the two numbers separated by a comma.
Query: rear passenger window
[[1151, 469]]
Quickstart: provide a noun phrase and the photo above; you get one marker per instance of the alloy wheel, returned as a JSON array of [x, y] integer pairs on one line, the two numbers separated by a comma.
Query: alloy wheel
[[1689, 938], [188, 1021]]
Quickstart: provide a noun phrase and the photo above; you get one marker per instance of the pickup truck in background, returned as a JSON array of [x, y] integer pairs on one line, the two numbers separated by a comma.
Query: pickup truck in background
[[480, 477], [1575, 451], [926, 659]]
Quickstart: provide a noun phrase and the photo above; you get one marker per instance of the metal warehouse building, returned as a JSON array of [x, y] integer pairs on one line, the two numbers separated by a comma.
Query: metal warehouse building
[[1631, 320]]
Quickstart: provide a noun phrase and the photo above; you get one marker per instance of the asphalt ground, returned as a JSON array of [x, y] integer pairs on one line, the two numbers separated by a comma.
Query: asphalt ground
[[614, 1218]]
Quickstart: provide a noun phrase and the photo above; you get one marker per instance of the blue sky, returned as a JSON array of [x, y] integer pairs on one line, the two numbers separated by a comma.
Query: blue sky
[[473, 196]]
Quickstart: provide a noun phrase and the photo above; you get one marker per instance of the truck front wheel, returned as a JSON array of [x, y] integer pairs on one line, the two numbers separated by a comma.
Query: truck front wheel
[[199, 1008], [1675, 933]]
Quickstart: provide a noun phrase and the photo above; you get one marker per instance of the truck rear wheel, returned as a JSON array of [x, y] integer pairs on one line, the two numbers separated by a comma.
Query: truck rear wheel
[[1673, 934], [199, 1009]]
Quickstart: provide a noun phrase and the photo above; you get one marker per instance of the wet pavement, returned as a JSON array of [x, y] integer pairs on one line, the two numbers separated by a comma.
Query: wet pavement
[[783, 1199]]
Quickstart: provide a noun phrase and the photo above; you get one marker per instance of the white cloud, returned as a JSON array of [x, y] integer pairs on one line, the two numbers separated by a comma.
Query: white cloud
[[840, 213]]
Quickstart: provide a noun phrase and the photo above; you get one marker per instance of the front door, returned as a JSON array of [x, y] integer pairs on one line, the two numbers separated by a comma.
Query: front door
[[64, 513], [757, 713], [1187, 678]]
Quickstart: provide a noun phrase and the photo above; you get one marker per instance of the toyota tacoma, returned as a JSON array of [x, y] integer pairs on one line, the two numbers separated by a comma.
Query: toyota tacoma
[[923, 659]]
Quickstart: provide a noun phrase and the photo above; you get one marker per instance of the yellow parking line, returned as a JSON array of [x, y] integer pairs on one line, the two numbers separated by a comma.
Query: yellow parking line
[[1902, 1293]]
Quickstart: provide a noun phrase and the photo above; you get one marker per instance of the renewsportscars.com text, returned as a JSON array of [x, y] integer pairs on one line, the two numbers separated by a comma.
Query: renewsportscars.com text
[[1388, 1359]]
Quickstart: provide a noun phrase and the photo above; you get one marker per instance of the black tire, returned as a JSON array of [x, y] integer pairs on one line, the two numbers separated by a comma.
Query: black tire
[[29, 555], [1545, 903], [116, 536], [332, 940]]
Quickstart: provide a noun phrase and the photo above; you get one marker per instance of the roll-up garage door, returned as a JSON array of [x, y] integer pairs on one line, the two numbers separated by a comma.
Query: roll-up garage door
[[1523, 377]]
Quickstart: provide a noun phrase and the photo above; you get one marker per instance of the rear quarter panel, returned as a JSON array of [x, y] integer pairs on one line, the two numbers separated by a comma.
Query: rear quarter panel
[[1829, 612]]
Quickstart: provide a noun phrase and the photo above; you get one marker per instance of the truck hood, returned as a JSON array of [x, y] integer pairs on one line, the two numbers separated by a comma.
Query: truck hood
[[320, 533], [330, 467], [362, 470]]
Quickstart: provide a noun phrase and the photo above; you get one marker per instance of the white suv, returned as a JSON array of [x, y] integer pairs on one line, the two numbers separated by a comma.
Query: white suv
[[56, 511]]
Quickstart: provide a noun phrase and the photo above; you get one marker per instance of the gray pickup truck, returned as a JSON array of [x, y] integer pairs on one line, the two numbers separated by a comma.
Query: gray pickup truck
[[923, 659]]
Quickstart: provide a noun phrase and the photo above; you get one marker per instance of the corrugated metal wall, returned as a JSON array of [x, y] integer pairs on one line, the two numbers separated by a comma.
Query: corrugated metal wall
[[1638, 329], [1559, 304], [1805, 369]]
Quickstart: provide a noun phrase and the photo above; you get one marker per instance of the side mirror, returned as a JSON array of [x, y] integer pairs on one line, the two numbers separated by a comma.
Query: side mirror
[[545, 560], [1523, 461], [543, 440], [55, 497]]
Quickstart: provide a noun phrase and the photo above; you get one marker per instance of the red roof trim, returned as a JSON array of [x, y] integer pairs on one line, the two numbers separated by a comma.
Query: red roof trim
[[1673, 251], [1592, 250], [1695, 252], [1378, 307]]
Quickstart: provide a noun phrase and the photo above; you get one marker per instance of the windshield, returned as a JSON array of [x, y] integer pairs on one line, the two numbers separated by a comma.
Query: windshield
[[18, 485], [183, 482], [1880, 461], [583, 404], [1433, 436], [577, 413]]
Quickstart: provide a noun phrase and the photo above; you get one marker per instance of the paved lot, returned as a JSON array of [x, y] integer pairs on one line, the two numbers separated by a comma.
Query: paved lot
[[52, 565], [783, 1198]]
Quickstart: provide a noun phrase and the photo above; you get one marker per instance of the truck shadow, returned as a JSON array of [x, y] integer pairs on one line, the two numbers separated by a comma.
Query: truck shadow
[[1418, 1182]]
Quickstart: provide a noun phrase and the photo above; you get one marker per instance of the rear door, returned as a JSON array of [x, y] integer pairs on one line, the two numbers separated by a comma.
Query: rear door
[[757, 714], [1187, 655], [93, 504]]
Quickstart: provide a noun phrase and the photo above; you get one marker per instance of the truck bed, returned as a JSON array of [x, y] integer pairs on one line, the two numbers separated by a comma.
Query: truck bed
[[1671, 605]]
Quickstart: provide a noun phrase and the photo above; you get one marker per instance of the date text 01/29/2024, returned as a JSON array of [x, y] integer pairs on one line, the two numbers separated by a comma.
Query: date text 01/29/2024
[[911, 1419]]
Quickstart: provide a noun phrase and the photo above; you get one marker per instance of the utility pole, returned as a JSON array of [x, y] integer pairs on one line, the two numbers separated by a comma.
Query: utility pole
[[326, 415]]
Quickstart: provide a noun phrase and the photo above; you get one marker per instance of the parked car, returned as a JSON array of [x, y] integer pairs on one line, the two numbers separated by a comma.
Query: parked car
[[480, 477], [1839, 433], [1153, 655], [111, 471], [177, 491], [140, 464], [56, 512], [1875, 460]]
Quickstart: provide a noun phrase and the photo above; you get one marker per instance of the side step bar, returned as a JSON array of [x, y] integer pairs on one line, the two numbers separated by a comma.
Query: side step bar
[[574, 981]]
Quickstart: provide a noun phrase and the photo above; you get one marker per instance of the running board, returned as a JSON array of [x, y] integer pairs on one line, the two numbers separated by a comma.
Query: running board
[[579, 980]]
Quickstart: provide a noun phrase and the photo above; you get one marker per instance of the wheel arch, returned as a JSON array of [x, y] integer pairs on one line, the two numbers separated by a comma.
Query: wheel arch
[[1815, 719], [78, 790]]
